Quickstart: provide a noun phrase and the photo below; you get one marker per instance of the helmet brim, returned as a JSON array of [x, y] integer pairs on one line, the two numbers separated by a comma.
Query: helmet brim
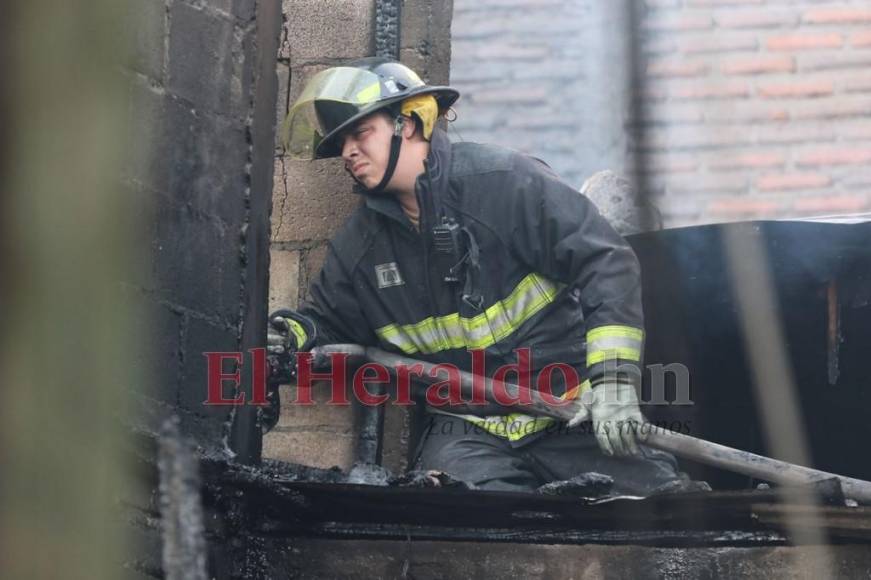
[[329, 146]]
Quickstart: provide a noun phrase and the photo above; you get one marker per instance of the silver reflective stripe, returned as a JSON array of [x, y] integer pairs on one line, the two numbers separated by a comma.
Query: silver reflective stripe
[[614, 342]]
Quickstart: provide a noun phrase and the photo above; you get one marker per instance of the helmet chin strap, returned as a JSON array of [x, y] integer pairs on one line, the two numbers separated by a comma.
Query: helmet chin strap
[[395, 146]]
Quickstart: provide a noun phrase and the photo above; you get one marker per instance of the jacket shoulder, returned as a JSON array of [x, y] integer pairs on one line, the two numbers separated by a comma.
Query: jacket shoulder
[[476, 158]]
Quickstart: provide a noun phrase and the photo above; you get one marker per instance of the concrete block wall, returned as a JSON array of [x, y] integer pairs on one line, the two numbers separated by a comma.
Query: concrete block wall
[[311, 200], [750, 108]]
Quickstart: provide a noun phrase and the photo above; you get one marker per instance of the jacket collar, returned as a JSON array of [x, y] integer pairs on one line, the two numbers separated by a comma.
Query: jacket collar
[[439, 161]]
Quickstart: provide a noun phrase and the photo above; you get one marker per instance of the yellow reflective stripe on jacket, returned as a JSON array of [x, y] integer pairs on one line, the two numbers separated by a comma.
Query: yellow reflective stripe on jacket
[[438, 333], [614, 341], [298, 332], [516, 426], [513, 427]]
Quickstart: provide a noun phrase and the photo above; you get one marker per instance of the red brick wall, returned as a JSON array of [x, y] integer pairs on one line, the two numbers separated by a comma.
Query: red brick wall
[[751, 108], [757, 109], [525, 82]]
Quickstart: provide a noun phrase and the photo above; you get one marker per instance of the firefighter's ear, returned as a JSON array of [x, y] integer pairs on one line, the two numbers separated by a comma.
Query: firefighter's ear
[[410, 126]]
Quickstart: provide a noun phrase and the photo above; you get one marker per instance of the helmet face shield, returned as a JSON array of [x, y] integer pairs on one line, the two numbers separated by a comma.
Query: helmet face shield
[[331, 98]]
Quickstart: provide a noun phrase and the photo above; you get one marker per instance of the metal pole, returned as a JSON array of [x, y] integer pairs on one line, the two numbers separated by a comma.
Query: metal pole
[[751, 464]]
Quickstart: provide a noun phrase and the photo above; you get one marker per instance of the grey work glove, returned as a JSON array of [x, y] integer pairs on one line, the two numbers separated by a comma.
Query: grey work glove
[[616, 417], [583, 413]]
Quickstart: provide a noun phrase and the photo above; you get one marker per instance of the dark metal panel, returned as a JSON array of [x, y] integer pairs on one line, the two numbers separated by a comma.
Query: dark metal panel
[[692, 319]]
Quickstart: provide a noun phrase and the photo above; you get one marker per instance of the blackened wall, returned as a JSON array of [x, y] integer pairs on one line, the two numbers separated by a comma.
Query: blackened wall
[[203, 91], [203, 95]]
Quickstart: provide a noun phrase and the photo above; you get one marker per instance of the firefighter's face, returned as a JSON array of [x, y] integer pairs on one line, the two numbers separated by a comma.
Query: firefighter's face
[[366, 148]]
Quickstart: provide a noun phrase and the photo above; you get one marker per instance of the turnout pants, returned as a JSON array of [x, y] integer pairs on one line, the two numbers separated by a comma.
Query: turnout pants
[[490, 462]]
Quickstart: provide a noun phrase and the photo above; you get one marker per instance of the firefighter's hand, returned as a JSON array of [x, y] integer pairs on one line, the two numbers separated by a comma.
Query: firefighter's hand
[[278, 337], [288, 332], [280, 348], [583, 413], [616, 417]]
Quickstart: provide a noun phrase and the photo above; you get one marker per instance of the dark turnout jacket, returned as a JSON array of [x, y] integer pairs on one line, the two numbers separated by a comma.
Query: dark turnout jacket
[[552, 274]]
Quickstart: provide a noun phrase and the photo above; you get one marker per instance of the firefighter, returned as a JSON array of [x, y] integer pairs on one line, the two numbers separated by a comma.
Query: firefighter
[[461, 247]]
